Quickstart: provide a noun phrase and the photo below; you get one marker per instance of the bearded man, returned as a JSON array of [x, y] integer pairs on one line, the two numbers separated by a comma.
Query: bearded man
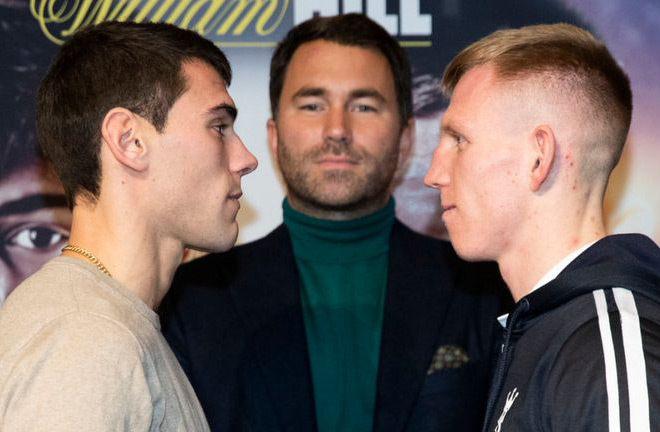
[[342, 318]]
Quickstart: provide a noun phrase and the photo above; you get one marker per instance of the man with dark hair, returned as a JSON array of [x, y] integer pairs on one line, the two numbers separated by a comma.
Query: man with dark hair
[[342, 318], [34, 218], [134, 118], [536, 123]]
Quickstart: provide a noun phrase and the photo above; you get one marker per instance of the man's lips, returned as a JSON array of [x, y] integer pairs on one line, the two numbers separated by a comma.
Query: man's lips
[[447, 213], [235, 195], [338, 160]]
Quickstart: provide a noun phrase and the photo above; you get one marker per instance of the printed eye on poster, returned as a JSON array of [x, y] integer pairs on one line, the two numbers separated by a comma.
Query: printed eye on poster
[[34, 215]]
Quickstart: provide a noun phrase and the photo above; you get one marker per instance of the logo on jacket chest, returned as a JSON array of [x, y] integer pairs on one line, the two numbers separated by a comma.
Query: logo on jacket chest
[[510, 399]]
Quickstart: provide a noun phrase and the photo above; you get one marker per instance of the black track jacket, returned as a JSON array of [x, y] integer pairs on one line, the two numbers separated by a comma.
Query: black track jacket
[[582, 353]]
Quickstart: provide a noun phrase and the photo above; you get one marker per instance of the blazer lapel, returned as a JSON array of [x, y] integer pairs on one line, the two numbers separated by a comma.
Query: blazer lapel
[[415, 305], [272, 315]]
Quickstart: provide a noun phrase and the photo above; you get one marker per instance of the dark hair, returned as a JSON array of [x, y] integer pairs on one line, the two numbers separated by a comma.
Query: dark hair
[[137, 66], [352, 30], [20, 73]]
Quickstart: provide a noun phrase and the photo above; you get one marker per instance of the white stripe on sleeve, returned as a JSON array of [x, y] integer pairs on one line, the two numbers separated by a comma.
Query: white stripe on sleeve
[[638, 391], [610, 362]]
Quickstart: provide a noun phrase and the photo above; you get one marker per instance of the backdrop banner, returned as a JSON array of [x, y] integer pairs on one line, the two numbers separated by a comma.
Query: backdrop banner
[[34, 217]]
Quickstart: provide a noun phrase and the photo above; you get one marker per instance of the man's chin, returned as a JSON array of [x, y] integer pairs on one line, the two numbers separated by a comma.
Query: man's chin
[[467, 249], [338, 202], [472, 254], [219, 241]]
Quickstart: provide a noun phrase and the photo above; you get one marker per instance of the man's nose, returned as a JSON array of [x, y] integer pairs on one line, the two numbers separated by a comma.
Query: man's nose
[[438, 173], [244, 162], [337, 126]]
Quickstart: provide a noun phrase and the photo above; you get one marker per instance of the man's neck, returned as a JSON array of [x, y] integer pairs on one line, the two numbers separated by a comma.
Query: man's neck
[[127, 247], [546, 244]]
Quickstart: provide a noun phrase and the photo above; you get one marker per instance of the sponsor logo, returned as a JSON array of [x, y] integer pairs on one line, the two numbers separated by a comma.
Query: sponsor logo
[[229, 23]]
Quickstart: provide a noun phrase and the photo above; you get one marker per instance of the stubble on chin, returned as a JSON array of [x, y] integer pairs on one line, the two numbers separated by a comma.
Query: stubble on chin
[[329, 190], [365, 186]]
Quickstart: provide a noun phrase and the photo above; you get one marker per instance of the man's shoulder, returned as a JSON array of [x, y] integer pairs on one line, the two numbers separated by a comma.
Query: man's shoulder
[[617, 352], [84, 327], [66, 301], [607, 314], [70, 365], [50, 345], [591, 330]]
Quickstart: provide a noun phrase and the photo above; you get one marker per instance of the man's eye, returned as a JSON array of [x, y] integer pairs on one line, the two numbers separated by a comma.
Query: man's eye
[[221, 129], [364, 108], [38, 238], [311, 107]]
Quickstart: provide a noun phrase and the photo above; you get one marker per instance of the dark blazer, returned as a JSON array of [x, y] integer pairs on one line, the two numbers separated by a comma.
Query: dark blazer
[[235, 322]]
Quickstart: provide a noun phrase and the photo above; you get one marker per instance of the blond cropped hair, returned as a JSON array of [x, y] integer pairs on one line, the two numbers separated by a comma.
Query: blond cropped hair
[[571, 60]]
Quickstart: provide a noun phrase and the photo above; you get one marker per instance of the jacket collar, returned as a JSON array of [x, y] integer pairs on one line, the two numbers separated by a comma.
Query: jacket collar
[[414, 302], [623, 260]]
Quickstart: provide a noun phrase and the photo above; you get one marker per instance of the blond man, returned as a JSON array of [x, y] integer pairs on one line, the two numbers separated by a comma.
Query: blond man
[[537, 121]]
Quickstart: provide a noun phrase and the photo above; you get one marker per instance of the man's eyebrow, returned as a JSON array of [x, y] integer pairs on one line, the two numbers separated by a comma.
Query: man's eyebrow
[[309, 92], [230, 110], [449, 129], [354, 94], [32, 203], [367, 93]]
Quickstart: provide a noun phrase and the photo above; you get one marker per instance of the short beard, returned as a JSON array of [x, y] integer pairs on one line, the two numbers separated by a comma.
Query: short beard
[[352, 193]]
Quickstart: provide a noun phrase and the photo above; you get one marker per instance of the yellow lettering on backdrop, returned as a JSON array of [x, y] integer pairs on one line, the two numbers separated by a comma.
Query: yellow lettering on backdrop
[[129, 10], [145, 10], [213, 21], [258, 4], [102, 12], [161, 11], [268, 13], [82, 17], [37, 12], [43, 11], [201, 23], [218, 16], [231, 19], [183, 4]]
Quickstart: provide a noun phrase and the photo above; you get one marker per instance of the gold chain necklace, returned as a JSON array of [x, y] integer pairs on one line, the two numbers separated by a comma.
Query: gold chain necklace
[[87, 254]]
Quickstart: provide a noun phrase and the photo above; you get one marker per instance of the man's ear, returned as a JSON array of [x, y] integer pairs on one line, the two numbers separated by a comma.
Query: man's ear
[[271, 129], [120, 131], [544, 146], [406, 141]]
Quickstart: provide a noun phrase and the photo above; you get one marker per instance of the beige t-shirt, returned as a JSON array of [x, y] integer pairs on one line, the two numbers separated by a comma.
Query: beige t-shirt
[[78, 351]]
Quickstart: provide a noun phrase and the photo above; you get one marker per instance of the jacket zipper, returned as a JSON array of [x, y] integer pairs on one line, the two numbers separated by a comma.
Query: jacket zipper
[[502, 362]]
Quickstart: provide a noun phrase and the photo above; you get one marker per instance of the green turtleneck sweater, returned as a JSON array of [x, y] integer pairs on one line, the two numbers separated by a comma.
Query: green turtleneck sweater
[[343, 273]]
